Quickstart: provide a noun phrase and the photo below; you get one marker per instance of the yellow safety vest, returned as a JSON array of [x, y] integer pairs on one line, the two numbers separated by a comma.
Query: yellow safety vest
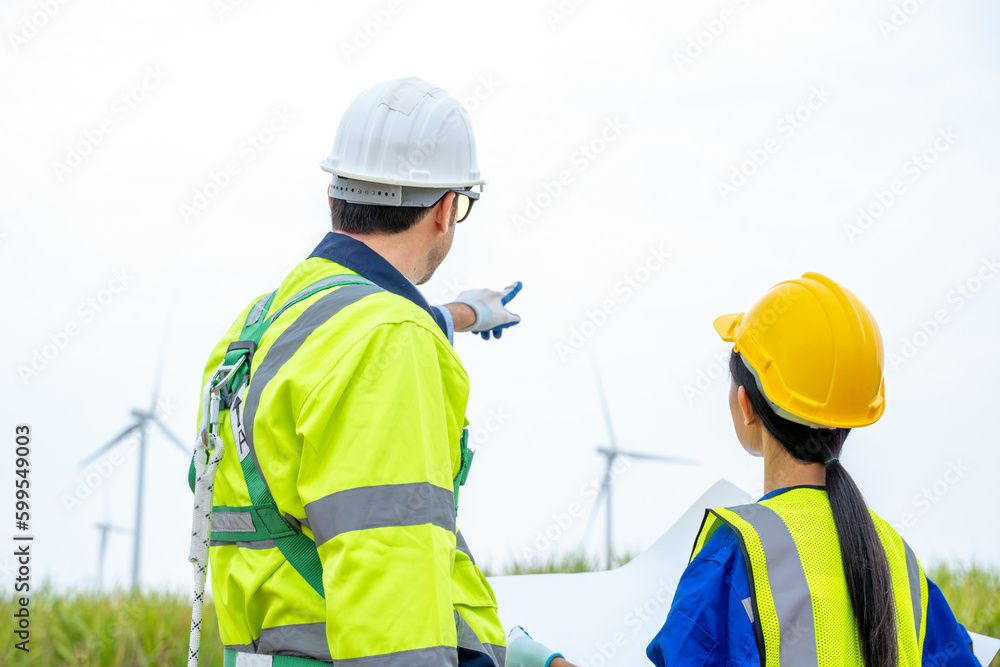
[[354, 418], [799, 603]]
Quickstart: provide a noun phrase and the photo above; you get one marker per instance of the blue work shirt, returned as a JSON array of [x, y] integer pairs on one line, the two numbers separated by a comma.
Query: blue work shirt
[[708, 625]]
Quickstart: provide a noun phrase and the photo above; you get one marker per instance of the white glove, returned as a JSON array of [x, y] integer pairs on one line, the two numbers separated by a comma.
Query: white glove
[[489, 306], [523, 651]]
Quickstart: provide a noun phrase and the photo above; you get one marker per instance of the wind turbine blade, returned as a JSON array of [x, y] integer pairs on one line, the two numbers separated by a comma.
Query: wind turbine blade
[[659, 457], [593, 514], [100, 452], [604, 406], [170, 435], [163, 355], [156, 379]]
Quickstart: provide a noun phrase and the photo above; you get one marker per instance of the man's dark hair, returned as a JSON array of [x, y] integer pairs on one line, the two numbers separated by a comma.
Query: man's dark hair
[[370, 219]]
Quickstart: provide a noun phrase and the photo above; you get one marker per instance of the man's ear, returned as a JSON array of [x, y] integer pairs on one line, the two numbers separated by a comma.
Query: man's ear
[[441, 213]]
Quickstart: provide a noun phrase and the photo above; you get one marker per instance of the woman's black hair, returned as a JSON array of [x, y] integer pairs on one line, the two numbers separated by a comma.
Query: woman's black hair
[[869, 581]]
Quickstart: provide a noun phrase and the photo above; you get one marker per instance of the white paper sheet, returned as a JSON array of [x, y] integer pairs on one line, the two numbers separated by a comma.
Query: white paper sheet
[[985, 648], [606, 619]]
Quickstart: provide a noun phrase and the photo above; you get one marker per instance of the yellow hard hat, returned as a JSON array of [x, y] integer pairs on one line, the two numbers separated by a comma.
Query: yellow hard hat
[[816, 352]]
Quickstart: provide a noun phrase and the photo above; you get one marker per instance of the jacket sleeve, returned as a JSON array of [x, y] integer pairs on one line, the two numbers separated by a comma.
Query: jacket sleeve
[[707, 625], [946, 641], [380, 451]]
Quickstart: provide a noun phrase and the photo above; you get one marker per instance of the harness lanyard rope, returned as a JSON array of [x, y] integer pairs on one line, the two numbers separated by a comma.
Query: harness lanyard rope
[[206, 462]]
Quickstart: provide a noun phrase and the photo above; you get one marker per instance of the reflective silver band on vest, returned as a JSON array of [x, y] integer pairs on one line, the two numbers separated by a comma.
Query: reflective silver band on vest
[[381, 506], [913, 574], [787, 581], [288, 343]]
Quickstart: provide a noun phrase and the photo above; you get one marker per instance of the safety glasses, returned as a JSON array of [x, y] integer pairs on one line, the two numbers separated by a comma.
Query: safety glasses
[[466, 198]]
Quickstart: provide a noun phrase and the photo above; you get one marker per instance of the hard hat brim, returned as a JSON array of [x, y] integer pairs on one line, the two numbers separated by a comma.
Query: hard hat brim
[[325, 166], [726, 325]]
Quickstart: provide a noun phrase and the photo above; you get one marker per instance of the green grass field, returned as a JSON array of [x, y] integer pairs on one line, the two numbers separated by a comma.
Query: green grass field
[[87, 629]]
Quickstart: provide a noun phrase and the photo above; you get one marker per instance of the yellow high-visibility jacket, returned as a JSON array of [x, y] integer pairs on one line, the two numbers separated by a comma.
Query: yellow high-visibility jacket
[[356, 433]]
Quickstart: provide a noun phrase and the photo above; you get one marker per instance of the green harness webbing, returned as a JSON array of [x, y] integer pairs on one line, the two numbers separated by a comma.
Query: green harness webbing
[[268, 522]]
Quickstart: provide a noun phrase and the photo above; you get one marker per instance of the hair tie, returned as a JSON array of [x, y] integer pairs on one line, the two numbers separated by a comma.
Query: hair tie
[[831, 460]]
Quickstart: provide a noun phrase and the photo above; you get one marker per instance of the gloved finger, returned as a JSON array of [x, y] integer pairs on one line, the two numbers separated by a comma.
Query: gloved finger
[[485, 334], [497, 332], [512, 291]]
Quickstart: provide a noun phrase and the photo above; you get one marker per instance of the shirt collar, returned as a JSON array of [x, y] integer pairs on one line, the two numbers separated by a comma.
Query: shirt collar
[[356, 256], [778, 492]]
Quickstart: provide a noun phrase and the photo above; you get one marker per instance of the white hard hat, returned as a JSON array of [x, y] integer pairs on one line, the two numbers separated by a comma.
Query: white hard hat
[[406, 133]]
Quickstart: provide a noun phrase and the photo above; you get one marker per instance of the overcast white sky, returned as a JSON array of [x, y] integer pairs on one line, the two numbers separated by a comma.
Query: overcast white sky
[[886, 91]]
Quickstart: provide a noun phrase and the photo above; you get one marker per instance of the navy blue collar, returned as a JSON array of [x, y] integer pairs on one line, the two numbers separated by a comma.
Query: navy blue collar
[[356, 256]]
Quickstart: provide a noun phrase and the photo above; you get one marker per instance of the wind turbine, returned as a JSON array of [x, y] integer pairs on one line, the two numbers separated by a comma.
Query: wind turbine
[[105, 527], [143, 418], [611, 454]]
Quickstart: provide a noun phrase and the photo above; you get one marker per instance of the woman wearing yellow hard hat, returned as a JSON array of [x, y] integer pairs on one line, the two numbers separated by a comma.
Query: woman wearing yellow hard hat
[[808, 575]]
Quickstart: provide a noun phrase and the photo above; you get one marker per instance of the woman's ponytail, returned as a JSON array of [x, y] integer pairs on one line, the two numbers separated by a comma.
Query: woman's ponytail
[[869, 581]]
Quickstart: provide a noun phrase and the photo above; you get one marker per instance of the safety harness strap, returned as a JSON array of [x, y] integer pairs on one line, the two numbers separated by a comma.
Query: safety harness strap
[[262, 520]]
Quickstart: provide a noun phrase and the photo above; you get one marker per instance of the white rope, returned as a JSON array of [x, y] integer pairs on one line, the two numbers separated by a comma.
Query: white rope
[[201, 533]]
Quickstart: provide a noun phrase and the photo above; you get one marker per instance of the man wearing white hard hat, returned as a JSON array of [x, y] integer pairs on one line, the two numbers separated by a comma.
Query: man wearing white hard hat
[[333, 534]]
